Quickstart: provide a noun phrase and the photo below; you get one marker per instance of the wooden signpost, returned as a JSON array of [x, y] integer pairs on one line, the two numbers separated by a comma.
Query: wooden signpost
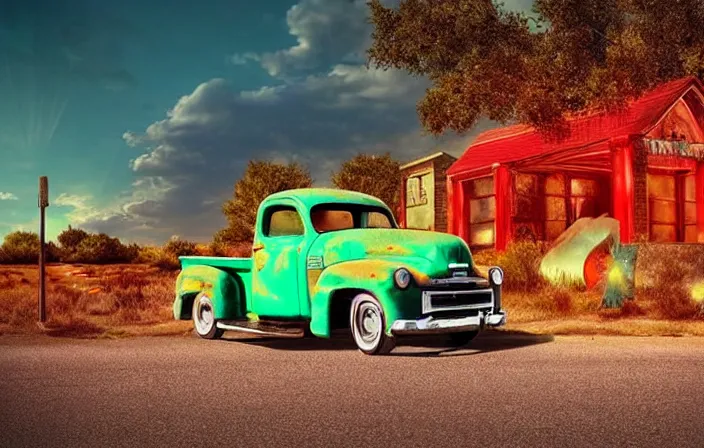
[[43, 203]]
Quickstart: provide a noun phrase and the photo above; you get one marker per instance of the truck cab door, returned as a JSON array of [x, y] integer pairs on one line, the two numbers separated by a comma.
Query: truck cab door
[[275, 263]]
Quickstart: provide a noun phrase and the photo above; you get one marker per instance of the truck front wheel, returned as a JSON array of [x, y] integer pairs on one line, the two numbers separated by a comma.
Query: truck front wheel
[[367, 323], [204, 318]]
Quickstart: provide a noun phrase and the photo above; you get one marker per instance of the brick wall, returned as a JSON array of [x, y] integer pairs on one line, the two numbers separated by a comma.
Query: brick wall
[[640, 190], [441, 165]]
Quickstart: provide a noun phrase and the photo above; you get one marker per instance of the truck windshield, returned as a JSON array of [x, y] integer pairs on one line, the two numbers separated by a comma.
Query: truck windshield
[[332, 217]]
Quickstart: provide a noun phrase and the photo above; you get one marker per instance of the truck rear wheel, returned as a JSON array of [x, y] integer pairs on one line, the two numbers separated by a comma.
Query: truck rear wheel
[[367, 323], [204, 318]]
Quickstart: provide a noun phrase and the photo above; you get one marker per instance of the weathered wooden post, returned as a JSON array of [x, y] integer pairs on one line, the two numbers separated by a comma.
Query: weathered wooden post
[[43, 203]]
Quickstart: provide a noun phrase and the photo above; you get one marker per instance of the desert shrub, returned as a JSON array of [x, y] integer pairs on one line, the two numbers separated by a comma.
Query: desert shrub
[[659, 265], [241, 249], [148, 254], [204, 250], [562, 300], [486, 257], [168, 262], [159, 258], [631, 309], [21, 247], [521, 263], [671, 301], [180, 248]]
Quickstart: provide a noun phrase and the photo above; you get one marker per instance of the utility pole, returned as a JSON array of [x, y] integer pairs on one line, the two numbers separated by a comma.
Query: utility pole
[[43, 203]]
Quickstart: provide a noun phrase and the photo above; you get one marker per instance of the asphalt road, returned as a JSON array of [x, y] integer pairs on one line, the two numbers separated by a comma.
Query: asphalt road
[[507, 390]]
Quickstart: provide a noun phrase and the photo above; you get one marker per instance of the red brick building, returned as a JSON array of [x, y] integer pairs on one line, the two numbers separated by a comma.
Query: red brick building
[[643, 166]]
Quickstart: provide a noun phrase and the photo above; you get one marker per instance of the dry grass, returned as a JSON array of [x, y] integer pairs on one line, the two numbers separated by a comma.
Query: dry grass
[[119, 300], [87, 300], [665, 275]]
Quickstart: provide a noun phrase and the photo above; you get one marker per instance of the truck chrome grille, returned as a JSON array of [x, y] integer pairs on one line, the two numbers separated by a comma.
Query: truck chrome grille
[[457, 300]]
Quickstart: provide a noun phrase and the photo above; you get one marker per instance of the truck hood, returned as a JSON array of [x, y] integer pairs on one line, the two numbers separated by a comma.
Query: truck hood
[[430, 252]]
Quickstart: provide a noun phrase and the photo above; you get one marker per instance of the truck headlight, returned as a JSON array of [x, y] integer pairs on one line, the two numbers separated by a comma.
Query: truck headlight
[[497, 276], [402, 278]]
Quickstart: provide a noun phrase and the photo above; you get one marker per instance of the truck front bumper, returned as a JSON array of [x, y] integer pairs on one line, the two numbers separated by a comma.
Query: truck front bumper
[[431, 325]]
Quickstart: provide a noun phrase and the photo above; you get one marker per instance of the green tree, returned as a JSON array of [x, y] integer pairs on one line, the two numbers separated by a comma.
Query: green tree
[[21, 247], [570, 56], [378, 176], [102, 249], [260, 179], [69, 240]]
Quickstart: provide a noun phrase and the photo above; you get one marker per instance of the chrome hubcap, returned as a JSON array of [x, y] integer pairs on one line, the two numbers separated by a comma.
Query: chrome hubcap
[[204, 318], [368, 323]]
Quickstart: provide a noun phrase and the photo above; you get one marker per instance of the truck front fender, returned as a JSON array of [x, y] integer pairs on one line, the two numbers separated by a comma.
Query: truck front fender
[[349, 278], [224, 289]]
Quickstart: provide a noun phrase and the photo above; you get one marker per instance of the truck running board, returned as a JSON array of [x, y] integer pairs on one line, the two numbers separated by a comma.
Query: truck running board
[[260, 328]]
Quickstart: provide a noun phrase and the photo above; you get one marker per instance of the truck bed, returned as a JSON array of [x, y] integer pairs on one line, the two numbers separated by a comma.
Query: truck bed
[[236, 264]]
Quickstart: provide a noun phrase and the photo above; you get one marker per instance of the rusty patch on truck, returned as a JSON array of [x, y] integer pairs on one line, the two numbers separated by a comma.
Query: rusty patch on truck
[[387, 250], [259, 288], [260, 259], [282, 260], [313, 276]]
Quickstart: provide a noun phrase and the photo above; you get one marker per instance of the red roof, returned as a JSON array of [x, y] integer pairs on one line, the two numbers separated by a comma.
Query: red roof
[[520, 142]]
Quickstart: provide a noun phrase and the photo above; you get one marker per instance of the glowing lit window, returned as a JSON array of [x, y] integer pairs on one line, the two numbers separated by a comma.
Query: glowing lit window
[[482, 211], [662, 198]]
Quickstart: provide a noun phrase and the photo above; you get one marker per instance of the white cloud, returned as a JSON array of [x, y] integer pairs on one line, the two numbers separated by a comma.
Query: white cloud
[[242, 58], [7, 196], [192, 158], [326, 32]]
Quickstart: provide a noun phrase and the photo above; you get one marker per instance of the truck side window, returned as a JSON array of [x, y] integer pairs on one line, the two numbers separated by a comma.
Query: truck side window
[[283, 221]]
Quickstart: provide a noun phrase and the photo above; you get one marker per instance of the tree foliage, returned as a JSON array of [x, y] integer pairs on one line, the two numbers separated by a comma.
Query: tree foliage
[[103, 249], [180, 248], [570, 56], [21, 247], [378, 176], [70, 238], [261, 178]]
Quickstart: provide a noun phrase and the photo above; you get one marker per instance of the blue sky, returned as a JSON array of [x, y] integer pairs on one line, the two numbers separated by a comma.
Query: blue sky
[[144, 114]]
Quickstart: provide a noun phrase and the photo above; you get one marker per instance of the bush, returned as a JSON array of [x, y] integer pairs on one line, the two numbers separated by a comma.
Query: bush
[[521, 265], [70, 239], [158, 257], [672, 301], [148, 254], [237, 250], [102, 249], [21, 247], [180, 248]]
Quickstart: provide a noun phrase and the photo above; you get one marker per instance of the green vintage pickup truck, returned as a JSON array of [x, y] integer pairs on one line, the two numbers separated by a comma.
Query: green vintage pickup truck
[[326, 259]]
